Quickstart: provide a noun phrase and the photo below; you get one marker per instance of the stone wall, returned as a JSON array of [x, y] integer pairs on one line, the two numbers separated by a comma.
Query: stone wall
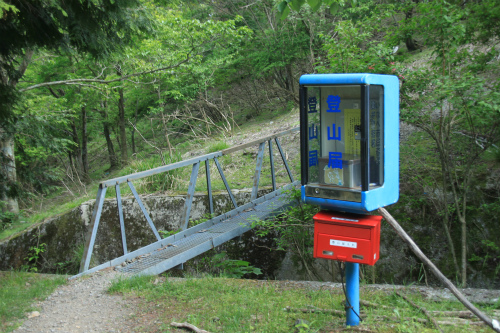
[[64, 235]]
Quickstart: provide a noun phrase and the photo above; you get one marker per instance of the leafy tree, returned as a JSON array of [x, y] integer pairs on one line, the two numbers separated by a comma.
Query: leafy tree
[[456, 104], [94, 26], [187, 48]]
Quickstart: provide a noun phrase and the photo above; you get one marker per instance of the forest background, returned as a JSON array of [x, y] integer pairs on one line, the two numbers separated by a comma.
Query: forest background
[[142, 81]]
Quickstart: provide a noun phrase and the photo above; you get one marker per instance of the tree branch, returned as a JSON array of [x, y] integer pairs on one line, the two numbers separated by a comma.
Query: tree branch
[[22, 67], [188, 326], [122, 78], [314, 310], [422, 309], [493, 323]]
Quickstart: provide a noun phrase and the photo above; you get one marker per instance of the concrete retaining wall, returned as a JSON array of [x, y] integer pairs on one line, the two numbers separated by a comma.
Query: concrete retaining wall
[[64, 235]]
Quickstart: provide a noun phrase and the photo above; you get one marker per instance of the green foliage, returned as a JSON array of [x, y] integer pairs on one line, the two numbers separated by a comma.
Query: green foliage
[[195, 66], [33, 257], [332, 5], [490, 257], [233, 268], [294, 232], [6, 218], [218, 264], [167, 233], [71, 266], [353, 50], [57, 23]]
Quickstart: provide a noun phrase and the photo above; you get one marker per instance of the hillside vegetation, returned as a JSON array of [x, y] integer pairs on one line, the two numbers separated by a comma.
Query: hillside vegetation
[[95, 89]]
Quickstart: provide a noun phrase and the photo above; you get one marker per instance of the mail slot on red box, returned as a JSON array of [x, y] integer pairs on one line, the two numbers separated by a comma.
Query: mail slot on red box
[[347, 237]]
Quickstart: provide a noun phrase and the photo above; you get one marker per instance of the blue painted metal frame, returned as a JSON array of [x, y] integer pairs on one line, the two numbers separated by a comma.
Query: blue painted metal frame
[[225, 182], [258, 168], [189, 196], [283, 157], [94, 225], [388, 193], [209, 187], [271, 161], [144, 211], [96, 215], [120, 216]]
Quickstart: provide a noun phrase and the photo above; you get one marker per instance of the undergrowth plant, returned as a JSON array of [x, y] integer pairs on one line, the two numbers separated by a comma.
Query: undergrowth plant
[[233, 268], [33, 257], [294, 229], [6, 219], [215, 263]]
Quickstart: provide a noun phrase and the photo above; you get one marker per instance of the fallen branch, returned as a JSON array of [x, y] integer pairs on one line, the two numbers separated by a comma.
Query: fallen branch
[[445, 321], [460, 322], [459, 314], [421, 309], [315, 310], [493, 323], [188, 326], [398, 319], [373, 305], [356, 329]]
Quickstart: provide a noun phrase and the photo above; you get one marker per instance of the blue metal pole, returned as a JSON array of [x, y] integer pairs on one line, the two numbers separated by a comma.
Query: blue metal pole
[[352, 286]]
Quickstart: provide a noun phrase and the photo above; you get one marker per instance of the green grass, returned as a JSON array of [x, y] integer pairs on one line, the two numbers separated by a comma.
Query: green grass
[[230, 305], [218, 146], [18, 292], [25, 222]]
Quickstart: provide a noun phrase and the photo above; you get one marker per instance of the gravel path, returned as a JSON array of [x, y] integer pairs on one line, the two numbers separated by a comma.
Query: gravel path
[[83, 305]]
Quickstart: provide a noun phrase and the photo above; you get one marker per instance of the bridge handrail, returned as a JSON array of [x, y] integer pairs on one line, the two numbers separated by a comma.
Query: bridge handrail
[[173, 166]]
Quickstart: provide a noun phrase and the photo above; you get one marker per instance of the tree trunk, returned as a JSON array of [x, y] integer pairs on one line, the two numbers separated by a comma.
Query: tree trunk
[[166, 133], [463, 223], [117, 137], [113, 160], [446, 218], [77, 152], [8, 174], [411, 44], [122, 125], [8, 170], [85, 160], [133, 130]]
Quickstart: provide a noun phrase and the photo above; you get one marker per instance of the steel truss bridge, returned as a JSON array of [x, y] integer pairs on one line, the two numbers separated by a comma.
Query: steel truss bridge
[[188, 243]]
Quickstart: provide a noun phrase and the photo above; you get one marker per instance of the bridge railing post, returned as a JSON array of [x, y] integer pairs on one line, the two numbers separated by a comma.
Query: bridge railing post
[[189, 196], [258, 168], [120, 216], [271, 161], [94, 225], [144, 211], [209, 187]]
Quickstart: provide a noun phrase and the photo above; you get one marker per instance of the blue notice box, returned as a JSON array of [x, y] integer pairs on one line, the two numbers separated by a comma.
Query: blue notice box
[[349, 141]]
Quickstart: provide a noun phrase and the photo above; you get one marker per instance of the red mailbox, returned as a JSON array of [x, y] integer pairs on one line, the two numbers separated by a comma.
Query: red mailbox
[[347, 237]]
